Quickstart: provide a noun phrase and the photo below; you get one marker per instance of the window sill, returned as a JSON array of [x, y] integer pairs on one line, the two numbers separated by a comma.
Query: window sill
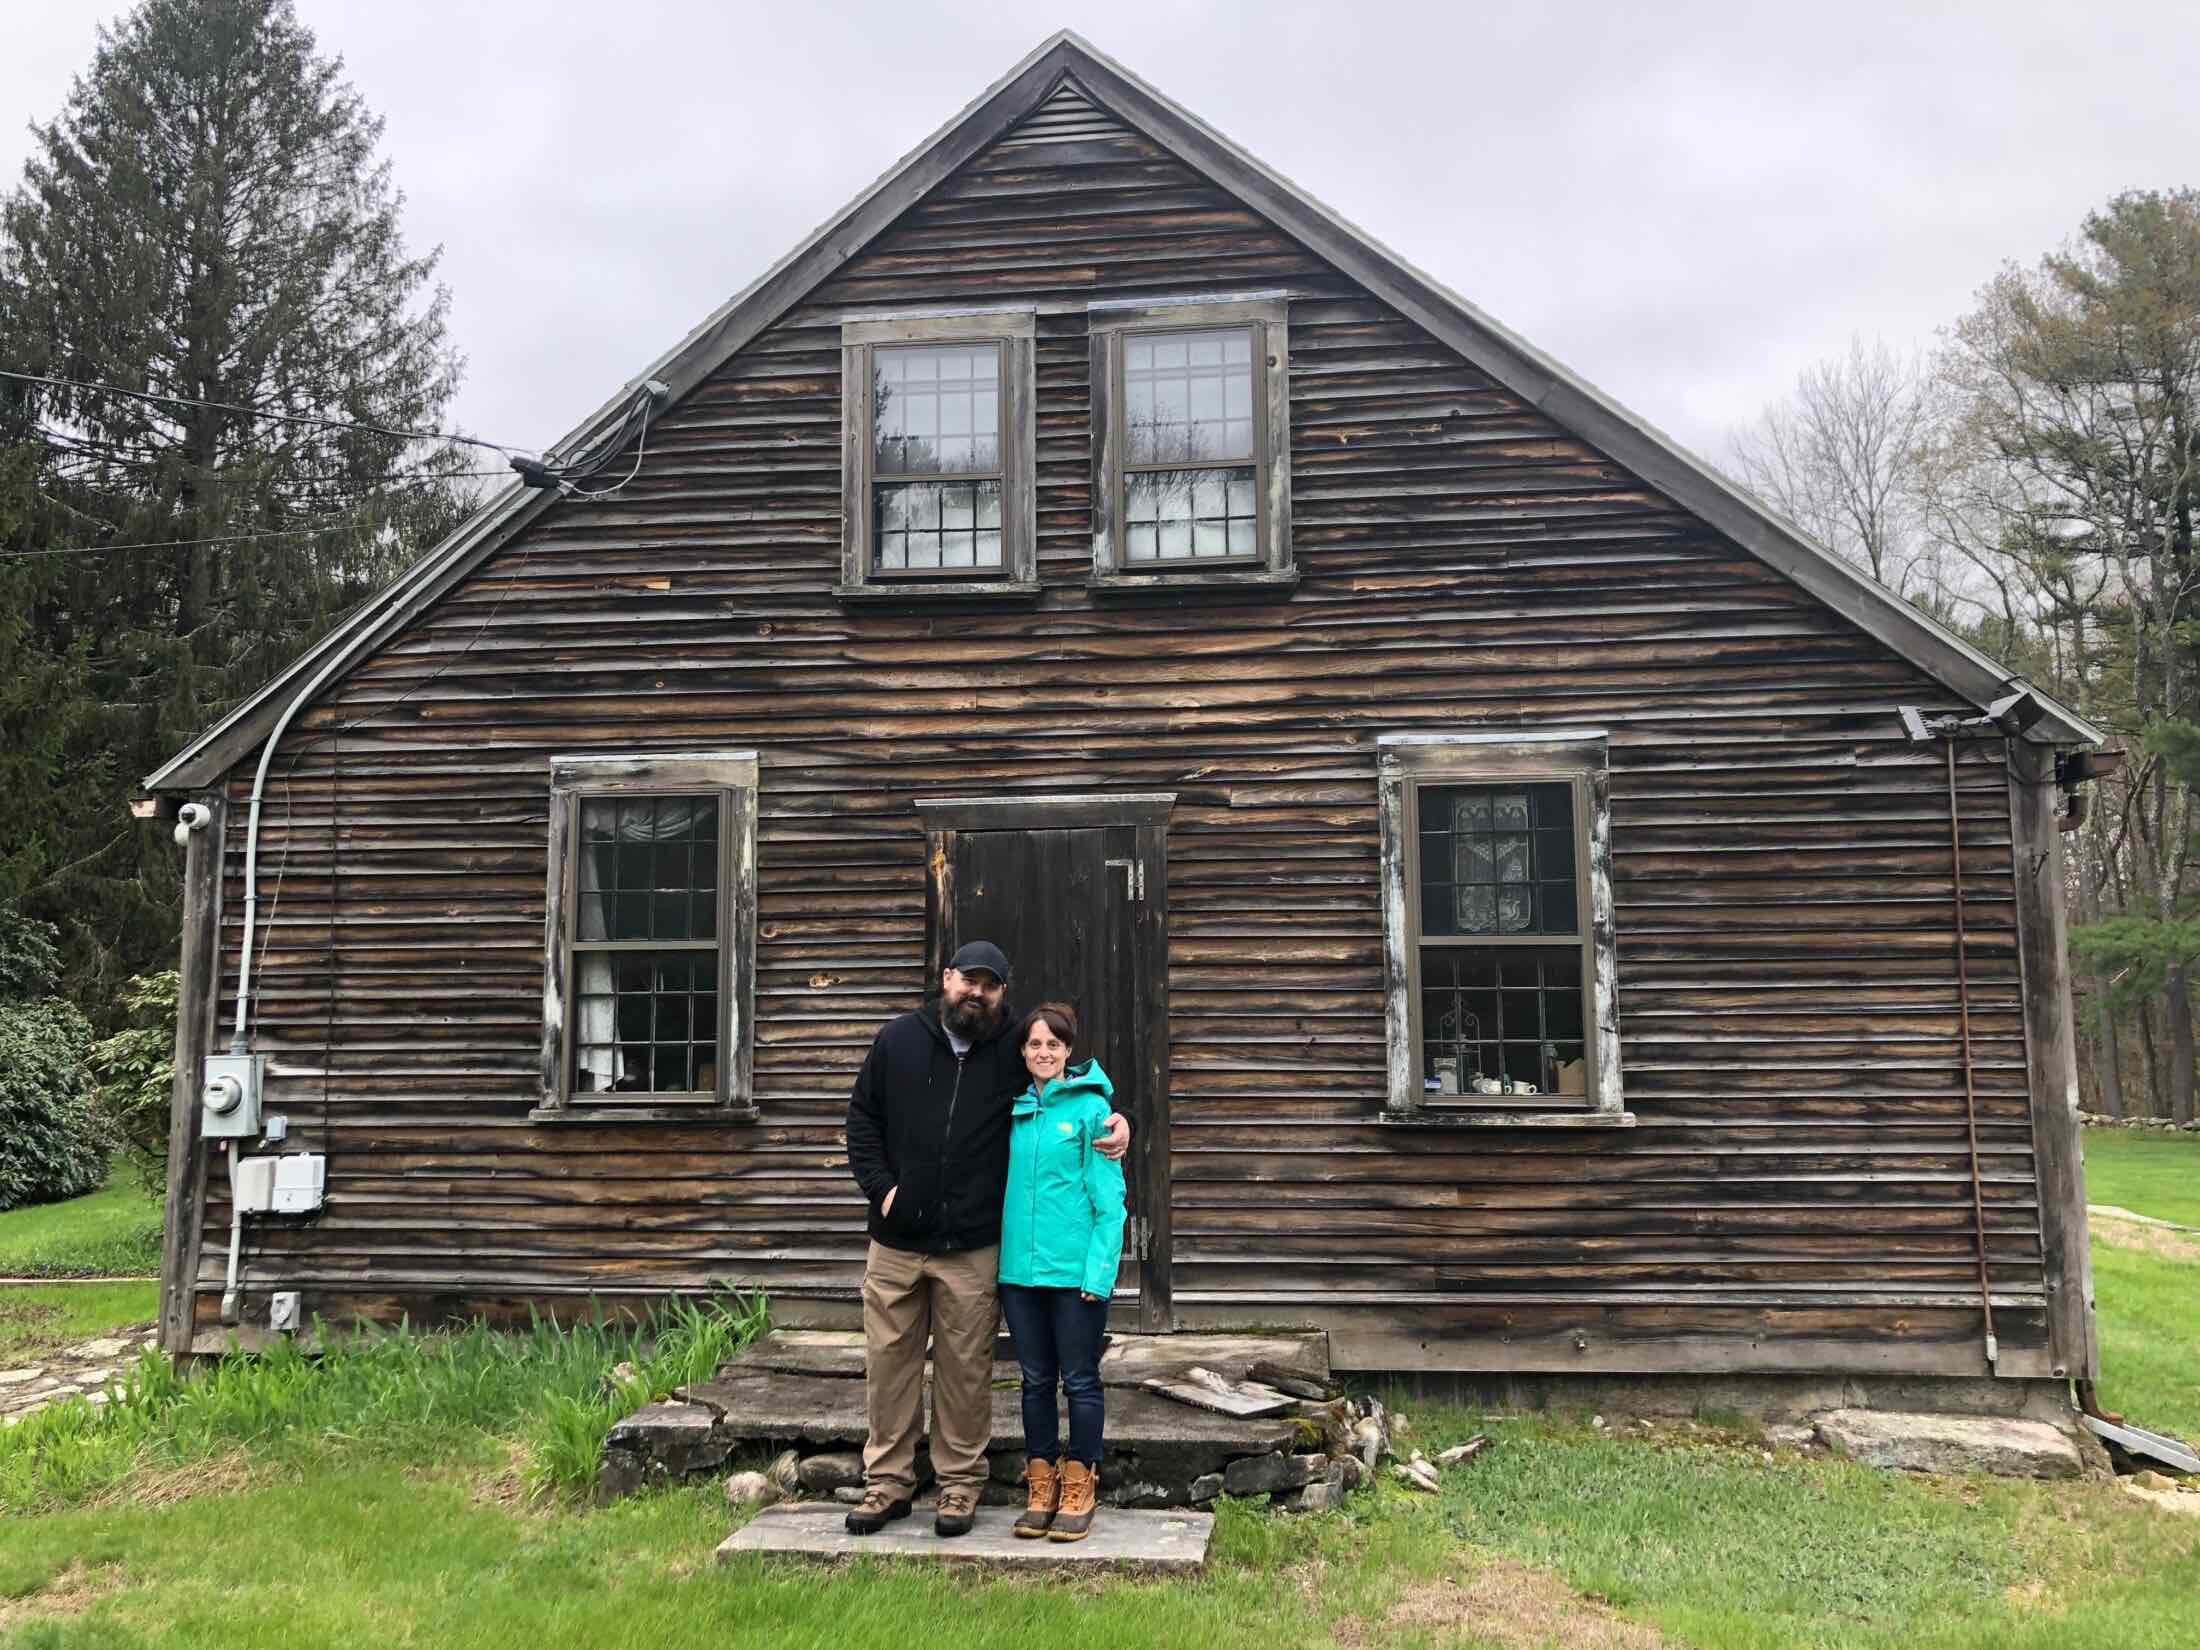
[[642, 1112], [1159, 584], [940, 592], [1464, 1117]]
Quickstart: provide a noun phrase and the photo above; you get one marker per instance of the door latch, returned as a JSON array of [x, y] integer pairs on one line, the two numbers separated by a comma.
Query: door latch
[[1134, 878]]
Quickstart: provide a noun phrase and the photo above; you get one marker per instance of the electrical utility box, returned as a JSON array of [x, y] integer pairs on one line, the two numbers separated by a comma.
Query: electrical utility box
[[229, 1096], [252, 1184], [300, 1178]]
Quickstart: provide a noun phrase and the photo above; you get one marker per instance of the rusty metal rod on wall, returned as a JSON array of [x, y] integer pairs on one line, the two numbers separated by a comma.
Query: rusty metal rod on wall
[[1970, 1087]]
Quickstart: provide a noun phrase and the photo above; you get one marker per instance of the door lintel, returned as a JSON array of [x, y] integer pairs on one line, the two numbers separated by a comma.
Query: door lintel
[[1043, 813]]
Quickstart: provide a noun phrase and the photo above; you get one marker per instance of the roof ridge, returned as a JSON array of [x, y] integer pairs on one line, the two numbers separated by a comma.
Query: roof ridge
[[1062, 61]]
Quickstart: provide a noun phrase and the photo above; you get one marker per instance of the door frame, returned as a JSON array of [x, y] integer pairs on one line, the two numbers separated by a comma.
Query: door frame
[[1141, 821]]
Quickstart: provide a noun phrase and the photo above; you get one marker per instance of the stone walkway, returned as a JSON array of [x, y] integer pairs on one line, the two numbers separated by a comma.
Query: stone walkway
[[1120, 1540], [84, 1368]]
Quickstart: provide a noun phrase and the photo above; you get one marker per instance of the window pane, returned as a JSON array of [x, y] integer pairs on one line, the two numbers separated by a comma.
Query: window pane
[[1476, 1041], [926, 526], [1498, 859], [1558, 915], [1476, 905], [1188, 395], [1187, 514], [638, 867], [935, 409], [643, 1021]]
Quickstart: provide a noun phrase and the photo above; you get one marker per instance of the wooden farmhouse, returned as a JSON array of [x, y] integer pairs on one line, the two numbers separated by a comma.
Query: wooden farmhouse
[[1511, 876]]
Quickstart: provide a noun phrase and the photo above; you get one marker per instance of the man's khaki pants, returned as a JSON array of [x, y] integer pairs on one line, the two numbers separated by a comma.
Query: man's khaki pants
[[953, 1299]]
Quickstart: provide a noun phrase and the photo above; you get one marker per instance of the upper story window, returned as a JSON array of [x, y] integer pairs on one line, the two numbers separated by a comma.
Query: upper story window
[[937, 447], [1191, 424], [650, 936], [1502, 977]]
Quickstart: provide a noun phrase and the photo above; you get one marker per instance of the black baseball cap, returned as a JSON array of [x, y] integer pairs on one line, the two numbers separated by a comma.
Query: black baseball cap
[[980, 957]]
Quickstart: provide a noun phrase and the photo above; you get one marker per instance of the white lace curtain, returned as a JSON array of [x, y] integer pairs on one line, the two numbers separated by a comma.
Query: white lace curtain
[[607, 826]]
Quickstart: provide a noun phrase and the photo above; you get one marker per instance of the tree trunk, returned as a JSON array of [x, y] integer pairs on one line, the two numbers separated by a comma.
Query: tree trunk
[[2108, 1074], [2177, 1004], [2149, 1060]]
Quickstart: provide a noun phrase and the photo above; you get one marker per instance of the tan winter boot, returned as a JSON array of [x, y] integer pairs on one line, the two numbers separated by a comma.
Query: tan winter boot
[[1080, 1493], [1045, 1497]]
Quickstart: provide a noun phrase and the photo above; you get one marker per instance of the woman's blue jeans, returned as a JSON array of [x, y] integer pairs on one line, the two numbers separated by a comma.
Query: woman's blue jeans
[[1058, 1334]]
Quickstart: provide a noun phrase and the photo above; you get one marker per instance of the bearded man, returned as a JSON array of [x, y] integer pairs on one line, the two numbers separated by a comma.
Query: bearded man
[[928, 1143]]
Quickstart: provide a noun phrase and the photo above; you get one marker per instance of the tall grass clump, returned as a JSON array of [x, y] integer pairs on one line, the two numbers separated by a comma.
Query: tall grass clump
[[566, 1442], [387, 1393]]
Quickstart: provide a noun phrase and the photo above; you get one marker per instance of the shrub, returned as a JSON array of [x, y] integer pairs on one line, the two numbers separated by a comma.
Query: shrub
[[30, 962], [136, 1068], [53, 1141]]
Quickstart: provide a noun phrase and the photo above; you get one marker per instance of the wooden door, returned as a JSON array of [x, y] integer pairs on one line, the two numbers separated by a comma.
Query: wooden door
[[1072, 901]]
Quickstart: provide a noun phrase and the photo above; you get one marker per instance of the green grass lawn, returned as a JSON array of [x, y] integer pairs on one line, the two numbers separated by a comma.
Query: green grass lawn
[[1558, 1536], [430, 1490], [113, 1232], [2148, 1171], [2146, 1283], [37, 1317]]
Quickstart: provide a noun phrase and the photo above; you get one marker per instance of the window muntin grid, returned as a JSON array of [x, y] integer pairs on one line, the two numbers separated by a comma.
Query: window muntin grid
[[1508, 1016], [1500, 873], [645, 947], [1190, 483], [1188, 396], [936, 462], [1172, 515], [1498, 859]]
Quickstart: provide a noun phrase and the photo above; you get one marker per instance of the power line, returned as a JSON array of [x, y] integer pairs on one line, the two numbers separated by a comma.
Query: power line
[[256, 412], [223, 538]]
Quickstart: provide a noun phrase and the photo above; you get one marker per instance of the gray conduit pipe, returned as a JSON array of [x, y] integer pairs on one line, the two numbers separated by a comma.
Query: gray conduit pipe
[[239, 1041], [1970, 1086]]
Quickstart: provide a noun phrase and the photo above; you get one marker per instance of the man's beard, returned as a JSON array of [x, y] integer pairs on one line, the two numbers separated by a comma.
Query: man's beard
[[970, 1019]]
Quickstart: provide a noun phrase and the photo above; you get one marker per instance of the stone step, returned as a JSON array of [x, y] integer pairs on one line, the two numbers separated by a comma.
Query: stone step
[[765, 1407], [1173, 1542], [1127, 1361], [1997, 1444]]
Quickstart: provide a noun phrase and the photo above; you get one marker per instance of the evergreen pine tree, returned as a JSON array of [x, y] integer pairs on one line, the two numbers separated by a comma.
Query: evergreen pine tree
[[205, 220]]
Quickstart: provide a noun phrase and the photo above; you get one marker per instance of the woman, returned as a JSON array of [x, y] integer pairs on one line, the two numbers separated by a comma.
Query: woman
[[1061, 1240]]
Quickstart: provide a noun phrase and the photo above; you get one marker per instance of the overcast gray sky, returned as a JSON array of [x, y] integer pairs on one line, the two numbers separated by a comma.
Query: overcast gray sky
[[1685, 203]]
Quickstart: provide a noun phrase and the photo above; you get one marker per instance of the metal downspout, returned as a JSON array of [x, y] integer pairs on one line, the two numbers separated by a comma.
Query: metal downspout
[[1970, 1087]]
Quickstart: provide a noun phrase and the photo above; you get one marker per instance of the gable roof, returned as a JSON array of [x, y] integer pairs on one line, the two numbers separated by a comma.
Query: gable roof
[[1509, 359]]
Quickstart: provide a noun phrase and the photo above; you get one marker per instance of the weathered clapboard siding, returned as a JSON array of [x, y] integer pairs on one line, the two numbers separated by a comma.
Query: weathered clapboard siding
[[1797, 1189]]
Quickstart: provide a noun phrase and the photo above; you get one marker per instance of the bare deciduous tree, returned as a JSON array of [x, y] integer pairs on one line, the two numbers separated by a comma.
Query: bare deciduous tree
[[1839, 457]]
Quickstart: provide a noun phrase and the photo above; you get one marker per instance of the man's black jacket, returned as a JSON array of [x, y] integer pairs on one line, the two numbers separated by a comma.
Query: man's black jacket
[[937, 1127]]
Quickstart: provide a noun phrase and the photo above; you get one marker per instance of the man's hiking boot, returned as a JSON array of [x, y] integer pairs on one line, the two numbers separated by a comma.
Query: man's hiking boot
[[1045, 1497], [878, 1508], [958, 1510], [1080, 1491]]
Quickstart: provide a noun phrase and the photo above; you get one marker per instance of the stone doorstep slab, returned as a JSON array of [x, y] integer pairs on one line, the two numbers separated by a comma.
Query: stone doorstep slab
[[1174, 1542], [767, 1407], [1129, 1361]]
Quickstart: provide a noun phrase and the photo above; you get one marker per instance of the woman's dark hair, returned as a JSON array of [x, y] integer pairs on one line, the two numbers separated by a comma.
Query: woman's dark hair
[[1060, 1018]]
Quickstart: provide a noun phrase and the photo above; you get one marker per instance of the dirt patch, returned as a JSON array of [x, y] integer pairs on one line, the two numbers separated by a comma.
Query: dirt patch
[[2162, 1241], [75, 1589], [165, 1486], [1506, 1603], [2033, 1598], [508, 1487]]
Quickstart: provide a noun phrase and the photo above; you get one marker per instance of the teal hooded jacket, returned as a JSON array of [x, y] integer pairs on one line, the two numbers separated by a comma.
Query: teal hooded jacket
[[1062, 1220]]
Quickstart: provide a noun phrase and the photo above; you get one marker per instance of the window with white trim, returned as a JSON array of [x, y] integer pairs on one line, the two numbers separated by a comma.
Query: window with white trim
[[937, 449], [1191, 426], [1501, 968], [650, 935]]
